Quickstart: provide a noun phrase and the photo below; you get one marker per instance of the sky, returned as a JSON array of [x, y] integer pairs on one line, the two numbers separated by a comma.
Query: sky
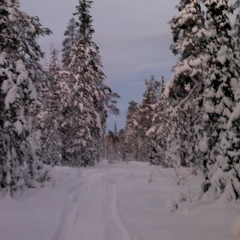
[[133, 36]]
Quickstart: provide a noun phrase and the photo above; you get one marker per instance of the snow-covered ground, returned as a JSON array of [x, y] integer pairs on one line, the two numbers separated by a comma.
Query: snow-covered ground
[[132, 201]]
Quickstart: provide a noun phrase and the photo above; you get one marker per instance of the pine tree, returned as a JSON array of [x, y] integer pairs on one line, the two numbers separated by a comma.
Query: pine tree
[[70, 34], [112, 103], [89, 94], [53, 105], [221, 97], [130, 135], [161, 134], [163, 87], [131, 114], [113, 146], [150, 99], [139, 120], [185, 95], [20, 70], [188, 43], [236, 34]]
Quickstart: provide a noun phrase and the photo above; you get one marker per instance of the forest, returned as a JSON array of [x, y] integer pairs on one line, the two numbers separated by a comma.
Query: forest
[[194, 119], [57, 115]]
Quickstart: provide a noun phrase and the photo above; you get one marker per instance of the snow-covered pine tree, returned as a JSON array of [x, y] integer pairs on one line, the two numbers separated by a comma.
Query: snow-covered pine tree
[[186, 87], [236, 35], [188, 44], [132, 113], [19, 70], [221, 100], [70, 34], [113, 146], [88, 111], [52, 111], [139, 120], [163, 87], [112, 103], [161, 133], [129, 140], [150, 98]]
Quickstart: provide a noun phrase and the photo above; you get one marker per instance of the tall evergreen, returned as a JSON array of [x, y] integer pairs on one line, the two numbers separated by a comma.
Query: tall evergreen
[[161, 134], [188, 44], [150, 99], [70, 34], [221, 100], [140, 120], [20, 71], [177, 115], [52, 111], [130, 143], [236, 9], [88, 106]]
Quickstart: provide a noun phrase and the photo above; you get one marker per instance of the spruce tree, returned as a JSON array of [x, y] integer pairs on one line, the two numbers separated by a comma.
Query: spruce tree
[[188, 43], [236, 35], [88, 106], [161, 134], [130, 137], [113, 146], [53, 105], [150, 99], [186, 87], [112, 102], [140, 120], [70, 34], [20, 71], [221, 100]]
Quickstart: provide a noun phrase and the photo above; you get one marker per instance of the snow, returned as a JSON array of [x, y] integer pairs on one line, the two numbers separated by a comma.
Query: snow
[[181, 197], [203, 145], [20, 67], [171, 205], [4, 86], [11, 97], [116, 202], [222, 54], [236, 229], [98, 121], [18, 127], [33, 94], [151, 130], [234, 116], [3, 56], [81, 107]]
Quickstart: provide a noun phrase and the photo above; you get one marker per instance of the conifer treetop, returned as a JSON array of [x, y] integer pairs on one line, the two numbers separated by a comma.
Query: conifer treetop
[[85, 20]]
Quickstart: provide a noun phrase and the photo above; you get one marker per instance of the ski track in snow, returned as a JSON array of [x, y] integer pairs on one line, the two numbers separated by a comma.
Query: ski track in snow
[[83, 212], [115, 202], [115, 226]]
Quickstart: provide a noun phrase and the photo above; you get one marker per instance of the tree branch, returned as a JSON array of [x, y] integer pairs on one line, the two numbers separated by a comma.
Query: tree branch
[[181, 104]]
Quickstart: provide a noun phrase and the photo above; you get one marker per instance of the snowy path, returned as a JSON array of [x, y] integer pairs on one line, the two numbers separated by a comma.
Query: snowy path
[[90, 212], [113, 202]]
